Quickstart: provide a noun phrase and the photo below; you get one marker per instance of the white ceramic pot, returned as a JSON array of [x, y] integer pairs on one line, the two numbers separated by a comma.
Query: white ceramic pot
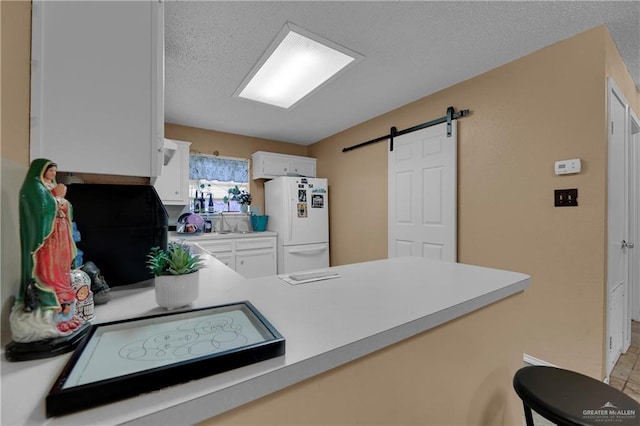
[[176, 291]]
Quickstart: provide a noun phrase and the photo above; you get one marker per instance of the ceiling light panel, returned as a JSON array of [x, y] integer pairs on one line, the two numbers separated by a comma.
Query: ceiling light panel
[[296, 64]]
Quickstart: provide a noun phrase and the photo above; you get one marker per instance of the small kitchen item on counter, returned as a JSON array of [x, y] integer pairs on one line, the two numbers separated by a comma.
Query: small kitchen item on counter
[[210, 207], [196, 203], [177, 281], [99, 287], [177, 291], [190, 223], [81, 284], [259, 222], [199, 203]]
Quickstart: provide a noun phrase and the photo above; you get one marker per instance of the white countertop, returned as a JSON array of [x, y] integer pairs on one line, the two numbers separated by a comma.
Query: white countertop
[[325, 323], [189, 238]]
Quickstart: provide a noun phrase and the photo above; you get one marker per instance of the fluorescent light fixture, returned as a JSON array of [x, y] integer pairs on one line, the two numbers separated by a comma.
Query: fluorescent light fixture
[[296, 64]]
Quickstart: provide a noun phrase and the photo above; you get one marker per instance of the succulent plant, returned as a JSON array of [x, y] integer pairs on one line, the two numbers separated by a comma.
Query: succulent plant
[[177, 259]]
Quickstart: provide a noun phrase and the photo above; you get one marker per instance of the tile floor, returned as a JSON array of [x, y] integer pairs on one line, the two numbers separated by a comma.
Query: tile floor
[[626, 373]]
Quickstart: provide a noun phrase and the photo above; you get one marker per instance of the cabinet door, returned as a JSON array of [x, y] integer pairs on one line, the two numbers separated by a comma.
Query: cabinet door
[[173, 183], [221, 250], [96, 85], [256, 263], [304, 167], [275, 166]]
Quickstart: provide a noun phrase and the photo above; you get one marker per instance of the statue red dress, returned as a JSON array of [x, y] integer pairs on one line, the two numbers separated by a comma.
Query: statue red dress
[[45, 303]]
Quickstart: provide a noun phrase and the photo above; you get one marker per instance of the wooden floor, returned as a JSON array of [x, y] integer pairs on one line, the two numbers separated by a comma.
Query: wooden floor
[[626, 374]]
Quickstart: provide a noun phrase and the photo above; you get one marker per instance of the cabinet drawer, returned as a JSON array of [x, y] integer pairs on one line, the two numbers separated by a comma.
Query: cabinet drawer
[[217, 246], [227, 258], [255, 243]]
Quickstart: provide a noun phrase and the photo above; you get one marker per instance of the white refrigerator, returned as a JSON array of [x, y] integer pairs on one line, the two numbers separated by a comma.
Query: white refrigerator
[[298, 210]]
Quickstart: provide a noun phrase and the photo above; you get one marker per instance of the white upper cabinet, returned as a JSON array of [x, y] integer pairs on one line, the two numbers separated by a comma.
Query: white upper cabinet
[[97, 80], [173, 183], [267, 165]]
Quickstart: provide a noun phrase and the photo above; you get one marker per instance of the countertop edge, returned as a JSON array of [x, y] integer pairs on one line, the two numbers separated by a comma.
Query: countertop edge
[[223, 400]]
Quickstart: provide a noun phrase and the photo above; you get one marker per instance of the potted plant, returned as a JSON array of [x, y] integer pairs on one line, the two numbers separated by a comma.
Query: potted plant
[[244, 198], [177, 281]]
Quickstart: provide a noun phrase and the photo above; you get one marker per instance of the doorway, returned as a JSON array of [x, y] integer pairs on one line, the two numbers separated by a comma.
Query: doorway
[[622, 215], [634, 215]]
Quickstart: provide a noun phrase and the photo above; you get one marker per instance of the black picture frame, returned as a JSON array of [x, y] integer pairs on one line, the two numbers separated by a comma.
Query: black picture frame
[[162, 350]]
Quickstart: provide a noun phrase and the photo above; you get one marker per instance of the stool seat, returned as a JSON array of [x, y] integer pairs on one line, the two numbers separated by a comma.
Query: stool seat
[[569, 398]]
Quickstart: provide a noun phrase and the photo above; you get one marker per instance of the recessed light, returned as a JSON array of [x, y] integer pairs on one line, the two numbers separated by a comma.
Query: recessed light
[[296, 64]]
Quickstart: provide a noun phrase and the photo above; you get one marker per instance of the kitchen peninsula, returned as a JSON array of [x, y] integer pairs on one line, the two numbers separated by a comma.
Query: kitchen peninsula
[[326, 324]]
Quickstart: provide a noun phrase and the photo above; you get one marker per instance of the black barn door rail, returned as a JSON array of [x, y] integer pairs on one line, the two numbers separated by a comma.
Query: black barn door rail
[[451, 115]]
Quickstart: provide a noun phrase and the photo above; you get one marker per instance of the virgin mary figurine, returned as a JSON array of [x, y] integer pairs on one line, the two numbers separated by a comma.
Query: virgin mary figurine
[[44, 314]]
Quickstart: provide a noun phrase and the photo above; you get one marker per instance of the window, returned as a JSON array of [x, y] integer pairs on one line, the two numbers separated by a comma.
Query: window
[[213, 176]]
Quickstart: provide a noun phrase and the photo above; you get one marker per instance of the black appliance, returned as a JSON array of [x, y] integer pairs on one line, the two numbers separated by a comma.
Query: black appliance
[[118, 225]]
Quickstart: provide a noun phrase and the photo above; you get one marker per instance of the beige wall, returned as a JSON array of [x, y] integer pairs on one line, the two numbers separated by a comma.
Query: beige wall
[[547, 106], [231, 145], [525, 115], [15, 51]]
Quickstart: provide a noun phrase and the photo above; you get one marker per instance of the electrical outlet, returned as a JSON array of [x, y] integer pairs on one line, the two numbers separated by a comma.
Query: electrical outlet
[[566, 197]]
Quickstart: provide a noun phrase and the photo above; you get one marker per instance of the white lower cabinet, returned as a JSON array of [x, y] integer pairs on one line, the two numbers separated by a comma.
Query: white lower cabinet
[[256, 263], [228, 259], [251, 257]]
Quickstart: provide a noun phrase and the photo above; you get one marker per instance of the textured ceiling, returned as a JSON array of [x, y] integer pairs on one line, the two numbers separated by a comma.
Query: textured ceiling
[[410, 49]]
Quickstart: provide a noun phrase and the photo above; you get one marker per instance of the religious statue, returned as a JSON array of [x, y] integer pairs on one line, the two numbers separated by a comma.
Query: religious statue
[[44, 319]]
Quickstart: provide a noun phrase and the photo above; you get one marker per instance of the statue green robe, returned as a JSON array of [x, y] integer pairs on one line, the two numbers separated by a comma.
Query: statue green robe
[[38, 210]]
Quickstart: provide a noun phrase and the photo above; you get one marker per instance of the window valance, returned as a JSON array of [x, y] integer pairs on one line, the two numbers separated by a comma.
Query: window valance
[[216, 168]]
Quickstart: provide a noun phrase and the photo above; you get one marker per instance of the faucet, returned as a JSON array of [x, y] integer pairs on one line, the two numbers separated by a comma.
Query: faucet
[[222, 230]]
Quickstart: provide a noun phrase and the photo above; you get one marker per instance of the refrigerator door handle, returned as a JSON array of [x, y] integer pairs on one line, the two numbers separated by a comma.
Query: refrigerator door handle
[[308, 251], [290, 213]]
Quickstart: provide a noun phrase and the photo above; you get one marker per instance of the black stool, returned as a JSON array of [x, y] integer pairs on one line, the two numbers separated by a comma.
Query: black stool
[[569, 398]]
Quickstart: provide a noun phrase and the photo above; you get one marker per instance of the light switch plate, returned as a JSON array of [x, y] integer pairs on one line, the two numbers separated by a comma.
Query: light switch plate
[[566, 197]]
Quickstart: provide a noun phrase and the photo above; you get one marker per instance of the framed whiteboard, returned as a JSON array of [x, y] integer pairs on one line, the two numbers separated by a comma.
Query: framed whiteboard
[[121, 359]]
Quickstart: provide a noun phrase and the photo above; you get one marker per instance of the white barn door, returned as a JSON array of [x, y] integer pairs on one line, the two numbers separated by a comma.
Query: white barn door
[[423, 193]]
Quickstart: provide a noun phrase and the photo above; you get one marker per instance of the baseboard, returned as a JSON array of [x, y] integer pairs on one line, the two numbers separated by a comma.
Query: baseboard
[[531, 360]]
